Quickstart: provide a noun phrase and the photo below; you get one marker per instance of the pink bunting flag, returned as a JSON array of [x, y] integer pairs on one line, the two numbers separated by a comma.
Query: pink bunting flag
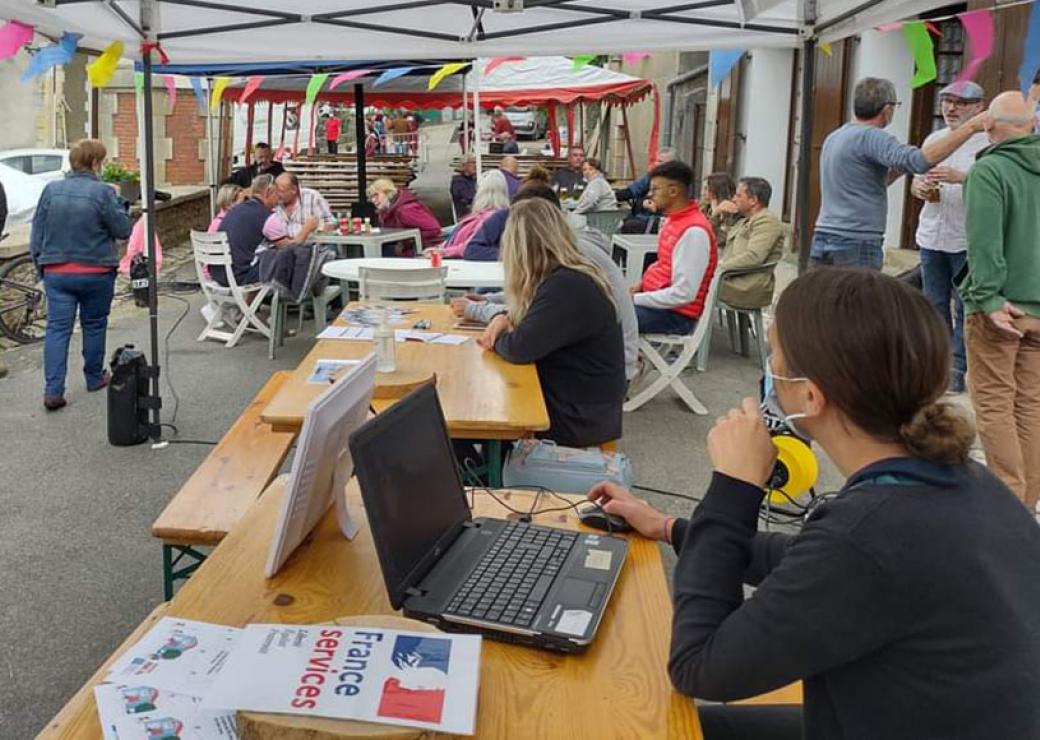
[[634, 57], [251, 85], [13, 36], [886, 27], [978, 25], [498, 62], [347, 77], [171, 90]]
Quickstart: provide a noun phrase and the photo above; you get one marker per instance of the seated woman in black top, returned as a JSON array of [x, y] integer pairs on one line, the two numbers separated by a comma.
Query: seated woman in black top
[[909, 604], [562, 318]]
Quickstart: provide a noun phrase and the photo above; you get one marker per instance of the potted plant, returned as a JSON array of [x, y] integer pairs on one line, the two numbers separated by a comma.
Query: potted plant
[[129, 182]]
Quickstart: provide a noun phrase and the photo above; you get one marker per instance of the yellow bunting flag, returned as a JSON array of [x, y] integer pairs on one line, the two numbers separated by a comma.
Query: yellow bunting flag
[[440, 74], [100, 71], [826, 48], [217, 92]]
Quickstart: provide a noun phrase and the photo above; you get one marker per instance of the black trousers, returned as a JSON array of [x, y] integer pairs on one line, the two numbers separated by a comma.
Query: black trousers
[[333, 147], [740, 722]]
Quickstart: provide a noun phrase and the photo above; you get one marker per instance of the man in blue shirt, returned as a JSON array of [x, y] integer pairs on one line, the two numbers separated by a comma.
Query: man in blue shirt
[[857, 164], [244, 226]]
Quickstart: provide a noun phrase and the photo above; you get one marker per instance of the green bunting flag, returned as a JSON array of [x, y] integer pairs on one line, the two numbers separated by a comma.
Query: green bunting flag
[[920, 43], [314, 87]]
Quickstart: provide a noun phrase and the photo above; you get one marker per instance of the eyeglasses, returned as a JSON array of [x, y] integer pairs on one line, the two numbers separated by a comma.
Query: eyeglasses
[[957, 102], [894, 103]]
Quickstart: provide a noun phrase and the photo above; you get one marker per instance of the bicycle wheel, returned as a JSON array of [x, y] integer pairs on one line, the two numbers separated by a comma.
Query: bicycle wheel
[[23, 303]]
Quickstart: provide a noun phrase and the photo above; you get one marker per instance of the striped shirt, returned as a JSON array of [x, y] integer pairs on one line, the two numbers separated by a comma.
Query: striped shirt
[[309, 203]]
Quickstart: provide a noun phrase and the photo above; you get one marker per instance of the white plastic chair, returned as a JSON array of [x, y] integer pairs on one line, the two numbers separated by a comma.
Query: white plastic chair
[[410, 284], [654, 348], [213, 250]]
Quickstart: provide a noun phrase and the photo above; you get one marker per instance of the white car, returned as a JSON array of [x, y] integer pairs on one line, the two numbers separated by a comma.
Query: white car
[[41, 164], [529, 121], [23, 193]]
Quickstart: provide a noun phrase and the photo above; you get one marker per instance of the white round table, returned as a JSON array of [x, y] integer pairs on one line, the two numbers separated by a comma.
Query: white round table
[[461, 273]]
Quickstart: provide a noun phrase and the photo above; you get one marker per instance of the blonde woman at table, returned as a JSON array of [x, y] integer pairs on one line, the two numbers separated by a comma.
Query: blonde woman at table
[[597, 195], [908, 601], [492, 195], [399, 208], [561, 317]]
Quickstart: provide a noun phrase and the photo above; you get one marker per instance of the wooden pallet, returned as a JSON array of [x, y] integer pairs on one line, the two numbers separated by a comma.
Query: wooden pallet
[[335, 177], [525, 161]]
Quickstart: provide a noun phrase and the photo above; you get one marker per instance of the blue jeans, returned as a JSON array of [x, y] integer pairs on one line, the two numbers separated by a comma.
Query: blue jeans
[[92, 295], [835, 250], [663, 321], [938, 270]]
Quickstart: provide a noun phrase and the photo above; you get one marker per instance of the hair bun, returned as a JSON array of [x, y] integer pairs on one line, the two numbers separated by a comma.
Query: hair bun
[[941, 431]]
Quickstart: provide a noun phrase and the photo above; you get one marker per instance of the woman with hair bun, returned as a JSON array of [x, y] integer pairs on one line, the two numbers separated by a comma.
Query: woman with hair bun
[[908, 603]]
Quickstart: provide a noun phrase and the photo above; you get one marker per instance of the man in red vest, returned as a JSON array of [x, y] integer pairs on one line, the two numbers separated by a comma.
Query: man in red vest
[[670, 298]]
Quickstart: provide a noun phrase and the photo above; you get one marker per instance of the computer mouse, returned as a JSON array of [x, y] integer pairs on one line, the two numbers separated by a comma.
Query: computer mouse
[[593, 516]]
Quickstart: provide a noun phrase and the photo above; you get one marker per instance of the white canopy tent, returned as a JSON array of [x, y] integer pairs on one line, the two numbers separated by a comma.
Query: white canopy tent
[[210, 31], [215, 31]]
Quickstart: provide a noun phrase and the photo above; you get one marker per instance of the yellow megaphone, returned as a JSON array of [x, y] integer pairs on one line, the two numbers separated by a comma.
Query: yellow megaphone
[[796, 470]]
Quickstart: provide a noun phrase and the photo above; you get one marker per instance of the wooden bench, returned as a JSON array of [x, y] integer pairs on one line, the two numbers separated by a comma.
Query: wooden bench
[[222, 489], [336, 176]]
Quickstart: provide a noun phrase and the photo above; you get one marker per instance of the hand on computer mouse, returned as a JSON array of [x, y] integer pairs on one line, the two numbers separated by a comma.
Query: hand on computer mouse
[[640, 515]]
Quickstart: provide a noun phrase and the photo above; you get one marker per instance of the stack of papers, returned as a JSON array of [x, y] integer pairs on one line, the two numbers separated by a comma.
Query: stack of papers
[[186, 679], [369, 316], [365, 334], [155, 689]]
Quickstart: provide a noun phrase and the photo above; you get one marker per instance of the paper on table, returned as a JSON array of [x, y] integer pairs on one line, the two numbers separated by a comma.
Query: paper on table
[[325, 370], [416, 679], [177, 655], [357, 333], [137, 711], [366, 334]]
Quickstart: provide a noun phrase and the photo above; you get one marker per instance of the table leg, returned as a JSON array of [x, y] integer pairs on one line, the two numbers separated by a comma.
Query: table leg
[[493, 456], [167, 572]]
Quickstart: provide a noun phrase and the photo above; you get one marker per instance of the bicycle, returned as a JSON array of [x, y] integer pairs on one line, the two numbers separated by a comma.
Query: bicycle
[[23, 304]]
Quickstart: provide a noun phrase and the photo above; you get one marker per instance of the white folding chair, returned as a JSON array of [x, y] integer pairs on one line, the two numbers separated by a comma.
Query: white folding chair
[[213, 250], [409, 284], [654, 348]]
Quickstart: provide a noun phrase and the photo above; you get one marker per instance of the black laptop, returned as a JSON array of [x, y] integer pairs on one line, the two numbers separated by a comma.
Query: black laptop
[[510, 580]]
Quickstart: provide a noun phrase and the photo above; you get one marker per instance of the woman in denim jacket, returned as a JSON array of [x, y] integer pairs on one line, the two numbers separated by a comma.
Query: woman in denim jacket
[[73, 246]]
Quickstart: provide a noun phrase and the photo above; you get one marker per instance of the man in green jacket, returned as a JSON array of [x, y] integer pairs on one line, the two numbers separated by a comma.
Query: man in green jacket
[[756, 240], [1002, 295]]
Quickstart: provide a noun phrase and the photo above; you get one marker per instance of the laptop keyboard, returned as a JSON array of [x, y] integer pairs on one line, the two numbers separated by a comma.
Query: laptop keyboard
[[512, 579]]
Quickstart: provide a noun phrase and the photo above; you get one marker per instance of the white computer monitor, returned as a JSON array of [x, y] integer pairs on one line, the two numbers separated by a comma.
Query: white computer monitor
[[322, 465]]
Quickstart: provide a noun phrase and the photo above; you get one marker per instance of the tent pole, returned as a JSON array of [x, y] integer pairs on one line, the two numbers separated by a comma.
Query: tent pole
[[270, 123], [211, 156], [805, 152], [628, 143], [149, 209], [477, 143], [250, 117], [465, 119], [362, 209]]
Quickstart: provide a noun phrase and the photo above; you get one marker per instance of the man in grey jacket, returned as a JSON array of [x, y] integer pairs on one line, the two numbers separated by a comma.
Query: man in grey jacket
[[595, 246], [857, 164]]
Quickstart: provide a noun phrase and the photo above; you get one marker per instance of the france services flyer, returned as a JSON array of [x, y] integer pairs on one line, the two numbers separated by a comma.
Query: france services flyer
[[416, 679]]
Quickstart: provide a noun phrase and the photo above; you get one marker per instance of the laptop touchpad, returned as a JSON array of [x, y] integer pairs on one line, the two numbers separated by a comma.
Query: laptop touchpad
[[576, 592]]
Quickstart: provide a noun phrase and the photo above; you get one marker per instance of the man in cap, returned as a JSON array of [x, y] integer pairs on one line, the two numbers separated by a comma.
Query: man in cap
[[940, 230]]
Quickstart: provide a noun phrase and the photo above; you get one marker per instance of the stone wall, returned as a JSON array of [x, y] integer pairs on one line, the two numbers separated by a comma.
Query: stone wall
[[177, 217]]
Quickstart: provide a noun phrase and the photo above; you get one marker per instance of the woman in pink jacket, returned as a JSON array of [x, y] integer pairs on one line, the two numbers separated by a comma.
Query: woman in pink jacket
[[492, 195], [399, 208]]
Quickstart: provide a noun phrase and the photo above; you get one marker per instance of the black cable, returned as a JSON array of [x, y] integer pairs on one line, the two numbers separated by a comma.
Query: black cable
[[168, 376], [666, 493]]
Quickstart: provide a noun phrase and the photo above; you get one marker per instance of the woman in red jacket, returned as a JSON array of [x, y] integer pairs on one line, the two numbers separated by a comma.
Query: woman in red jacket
[[399, 208]]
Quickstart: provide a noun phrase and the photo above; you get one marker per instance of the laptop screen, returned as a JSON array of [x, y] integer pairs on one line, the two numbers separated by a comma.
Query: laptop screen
[[413, 495]]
